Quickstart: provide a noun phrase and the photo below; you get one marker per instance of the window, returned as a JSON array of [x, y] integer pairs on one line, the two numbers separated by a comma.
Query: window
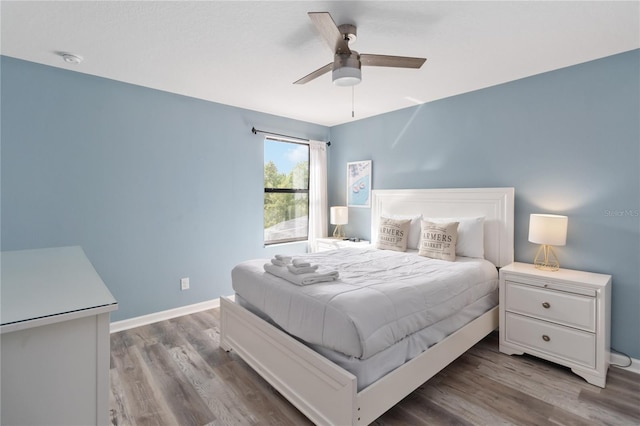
[[286, 191]]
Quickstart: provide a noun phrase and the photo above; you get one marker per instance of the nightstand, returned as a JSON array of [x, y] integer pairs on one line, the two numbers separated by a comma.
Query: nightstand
[[562, 316], [324, 244]]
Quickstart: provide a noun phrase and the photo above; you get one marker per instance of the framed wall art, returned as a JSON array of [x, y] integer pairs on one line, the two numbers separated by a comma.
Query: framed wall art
[[359, 184]]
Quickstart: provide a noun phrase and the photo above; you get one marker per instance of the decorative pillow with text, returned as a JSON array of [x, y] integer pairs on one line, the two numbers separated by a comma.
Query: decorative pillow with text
[[393, 234], [438, 240]]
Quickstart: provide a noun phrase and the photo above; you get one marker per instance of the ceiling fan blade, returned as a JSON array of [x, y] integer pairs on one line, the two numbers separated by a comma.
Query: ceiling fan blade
[[317, 73], [391, 61], [329, 31]]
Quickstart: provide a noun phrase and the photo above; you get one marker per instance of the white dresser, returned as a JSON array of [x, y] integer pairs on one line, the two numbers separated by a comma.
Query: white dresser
[[55, 339], [561, 316]]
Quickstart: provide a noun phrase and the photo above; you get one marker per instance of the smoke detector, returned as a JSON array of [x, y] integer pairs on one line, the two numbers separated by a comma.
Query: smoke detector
[[71, 58]]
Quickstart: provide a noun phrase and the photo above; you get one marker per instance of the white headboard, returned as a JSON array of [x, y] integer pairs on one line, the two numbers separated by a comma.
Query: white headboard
[[495, 204]]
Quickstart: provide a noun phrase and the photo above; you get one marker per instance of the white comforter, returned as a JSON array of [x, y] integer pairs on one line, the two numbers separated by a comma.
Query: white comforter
[[380, 298]]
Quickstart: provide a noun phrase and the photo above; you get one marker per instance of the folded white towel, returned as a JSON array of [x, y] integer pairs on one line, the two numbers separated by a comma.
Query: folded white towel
[[322, 275], [301, 263], [302, 269], [279, 262], [283, 257]]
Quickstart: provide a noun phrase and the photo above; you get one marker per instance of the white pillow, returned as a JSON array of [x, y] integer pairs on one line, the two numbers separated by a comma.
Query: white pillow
[[393, 234], [438, 240], [470, 235], [414, 229]]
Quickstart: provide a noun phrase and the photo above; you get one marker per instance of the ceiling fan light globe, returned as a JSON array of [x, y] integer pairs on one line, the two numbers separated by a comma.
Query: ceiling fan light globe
[[346, 76]]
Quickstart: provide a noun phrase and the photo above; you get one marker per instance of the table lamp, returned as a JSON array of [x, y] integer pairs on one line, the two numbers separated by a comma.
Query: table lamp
[[339, 215], [548, 230]]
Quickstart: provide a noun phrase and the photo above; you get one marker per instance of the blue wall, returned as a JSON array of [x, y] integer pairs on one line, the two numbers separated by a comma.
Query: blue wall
[[154, 186], [567, 140]]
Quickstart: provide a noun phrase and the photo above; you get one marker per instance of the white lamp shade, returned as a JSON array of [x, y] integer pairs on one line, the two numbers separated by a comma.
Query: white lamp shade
[[548, 229], [339, 215]]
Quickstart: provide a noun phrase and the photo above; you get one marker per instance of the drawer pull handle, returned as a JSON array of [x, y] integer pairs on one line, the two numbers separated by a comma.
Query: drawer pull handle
[[546, 338], [546, 305]]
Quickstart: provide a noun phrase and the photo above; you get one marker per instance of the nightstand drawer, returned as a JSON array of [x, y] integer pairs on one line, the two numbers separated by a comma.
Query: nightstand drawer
[[569, 309], [557, 341]]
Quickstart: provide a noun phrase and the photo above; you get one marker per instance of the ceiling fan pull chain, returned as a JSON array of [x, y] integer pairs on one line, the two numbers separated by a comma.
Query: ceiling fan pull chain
[[353, 88]]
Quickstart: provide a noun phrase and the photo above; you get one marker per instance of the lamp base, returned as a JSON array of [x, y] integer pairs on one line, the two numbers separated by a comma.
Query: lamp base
[[546, 259], [337, 232]]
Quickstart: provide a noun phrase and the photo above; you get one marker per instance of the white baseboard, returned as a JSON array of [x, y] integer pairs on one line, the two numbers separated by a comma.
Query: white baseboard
[[163, 315], [623, 360]]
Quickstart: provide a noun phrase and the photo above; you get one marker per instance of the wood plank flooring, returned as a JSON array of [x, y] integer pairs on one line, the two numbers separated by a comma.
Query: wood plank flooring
[[174, 373]]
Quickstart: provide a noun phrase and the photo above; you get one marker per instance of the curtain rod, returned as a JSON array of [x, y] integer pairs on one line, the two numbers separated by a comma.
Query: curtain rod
[[256, 131]]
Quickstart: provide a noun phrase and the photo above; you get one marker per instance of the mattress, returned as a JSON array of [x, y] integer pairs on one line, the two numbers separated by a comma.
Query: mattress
[[381, 298]]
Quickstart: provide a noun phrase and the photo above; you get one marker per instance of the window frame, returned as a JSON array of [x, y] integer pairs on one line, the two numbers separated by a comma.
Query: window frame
[[287, 191]]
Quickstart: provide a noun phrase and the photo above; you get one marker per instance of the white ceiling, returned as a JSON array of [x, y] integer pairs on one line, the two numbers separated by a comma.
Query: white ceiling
[[248, 53]]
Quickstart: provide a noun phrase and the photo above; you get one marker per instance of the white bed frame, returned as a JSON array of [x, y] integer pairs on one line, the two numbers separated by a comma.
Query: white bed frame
[[325, 392]]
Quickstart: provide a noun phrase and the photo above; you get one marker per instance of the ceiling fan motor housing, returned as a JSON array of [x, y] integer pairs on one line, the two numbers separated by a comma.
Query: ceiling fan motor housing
[[346, 69]]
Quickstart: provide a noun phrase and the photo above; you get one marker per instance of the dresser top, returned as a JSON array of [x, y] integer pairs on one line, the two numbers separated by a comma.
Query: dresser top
[[42, 283]]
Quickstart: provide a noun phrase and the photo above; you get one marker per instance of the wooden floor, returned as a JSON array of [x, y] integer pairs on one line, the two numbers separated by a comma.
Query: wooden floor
[[174, 373]]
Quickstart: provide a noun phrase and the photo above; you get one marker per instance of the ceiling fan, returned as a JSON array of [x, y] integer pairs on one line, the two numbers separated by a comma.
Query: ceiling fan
[[347, 63]]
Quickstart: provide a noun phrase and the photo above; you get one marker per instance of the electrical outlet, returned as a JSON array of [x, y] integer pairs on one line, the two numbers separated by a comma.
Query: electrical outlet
[[184, 283]]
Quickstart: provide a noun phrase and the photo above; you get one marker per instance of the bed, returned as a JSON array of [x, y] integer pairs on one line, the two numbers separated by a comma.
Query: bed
[[312, 380]]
